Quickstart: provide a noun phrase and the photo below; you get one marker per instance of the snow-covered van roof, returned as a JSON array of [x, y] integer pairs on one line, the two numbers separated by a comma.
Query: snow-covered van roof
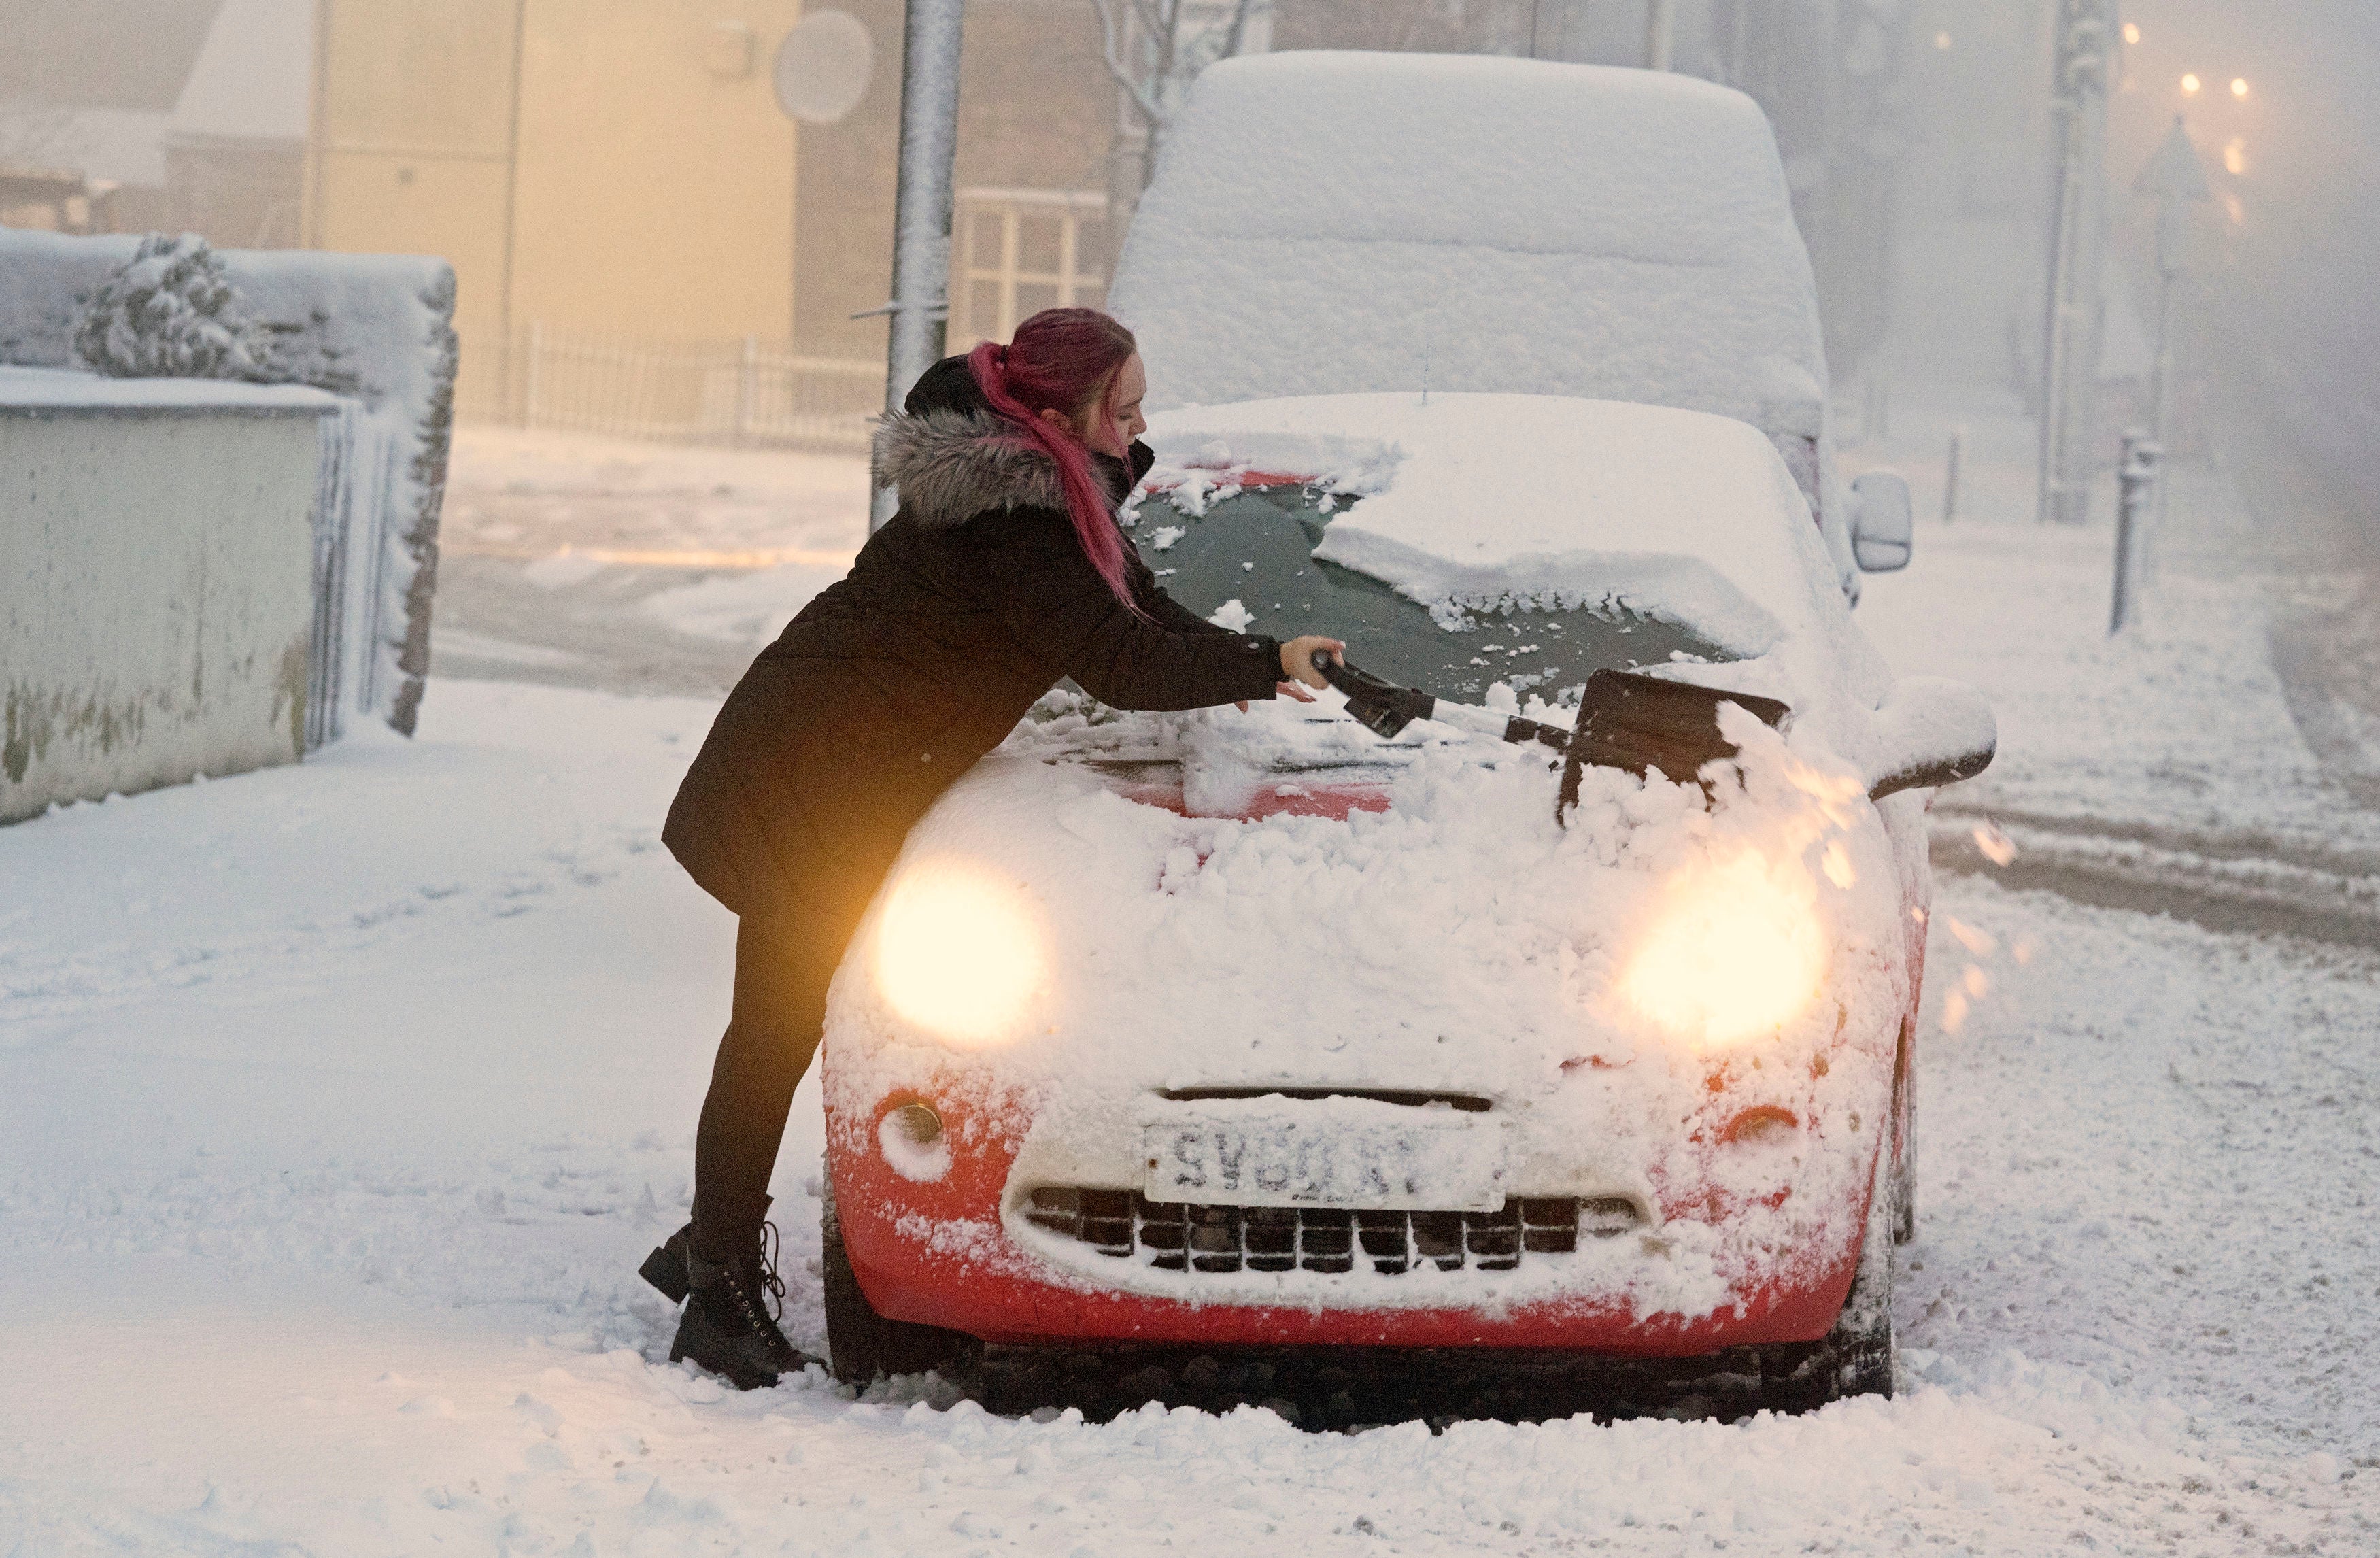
[[1325, 223], [1474, 499]]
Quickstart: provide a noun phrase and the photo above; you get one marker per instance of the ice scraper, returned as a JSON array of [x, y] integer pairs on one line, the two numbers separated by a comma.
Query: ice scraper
[[1627, 720]]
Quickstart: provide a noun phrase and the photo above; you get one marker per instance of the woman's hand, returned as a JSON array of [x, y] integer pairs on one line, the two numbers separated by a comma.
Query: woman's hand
[[1297, 663], [1297, 659]]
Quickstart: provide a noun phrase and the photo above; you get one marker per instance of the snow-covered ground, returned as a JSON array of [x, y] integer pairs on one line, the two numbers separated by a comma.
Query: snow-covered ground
[[337, 1104], [572, 559], [2178, 722], [2169, 764]]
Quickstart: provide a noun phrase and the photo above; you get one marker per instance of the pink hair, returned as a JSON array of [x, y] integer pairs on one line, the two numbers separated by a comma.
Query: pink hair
[[1067, 360]]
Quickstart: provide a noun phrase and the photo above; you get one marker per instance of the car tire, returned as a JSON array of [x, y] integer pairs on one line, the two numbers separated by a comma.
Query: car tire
[[1905, 1136], [862, 1345], [1856, 1357]]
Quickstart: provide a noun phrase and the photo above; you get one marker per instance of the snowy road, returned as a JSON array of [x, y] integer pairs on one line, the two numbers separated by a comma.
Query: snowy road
[[336, 1105], [577, 561]]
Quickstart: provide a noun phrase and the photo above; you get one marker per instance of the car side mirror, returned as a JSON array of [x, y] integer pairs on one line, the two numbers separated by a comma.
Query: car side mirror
[[1882, 530], [1930, 732]]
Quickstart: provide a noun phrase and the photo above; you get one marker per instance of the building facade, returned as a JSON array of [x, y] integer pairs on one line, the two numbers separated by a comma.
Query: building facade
[[613, 166]]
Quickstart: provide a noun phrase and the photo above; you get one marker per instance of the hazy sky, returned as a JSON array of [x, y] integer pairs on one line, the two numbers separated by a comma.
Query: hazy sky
[[101, 54], [2284, 286], [2283, 280]]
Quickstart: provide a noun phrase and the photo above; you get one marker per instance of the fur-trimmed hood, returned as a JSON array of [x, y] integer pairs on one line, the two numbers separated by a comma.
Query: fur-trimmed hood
[[953, 465]]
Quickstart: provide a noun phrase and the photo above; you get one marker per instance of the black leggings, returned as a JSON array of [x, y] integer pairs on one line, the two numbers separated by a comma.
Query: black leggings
[[772, 1031]]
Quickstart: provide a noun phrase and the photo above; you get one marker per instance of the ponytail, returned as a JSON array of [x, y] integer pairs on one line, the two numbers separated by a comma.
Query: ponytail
[[1067, 360]]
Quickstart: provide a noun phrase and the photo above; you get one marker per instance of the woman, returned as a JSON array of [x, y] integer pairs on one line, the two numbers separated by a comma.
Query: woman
[[1003, 572]]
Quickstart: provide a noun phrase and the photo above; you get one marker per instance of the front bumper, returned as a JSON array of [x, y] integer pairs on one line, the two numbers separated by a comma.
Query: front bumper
[[971, 1250]]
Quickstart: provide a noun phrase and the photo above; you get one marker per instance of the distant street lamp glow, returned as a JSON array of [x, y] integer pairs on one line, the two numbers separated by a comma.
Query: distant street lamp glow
[[2190, 85], [2131, 32], [2239, 86], [2234, 157], [1942, 39]]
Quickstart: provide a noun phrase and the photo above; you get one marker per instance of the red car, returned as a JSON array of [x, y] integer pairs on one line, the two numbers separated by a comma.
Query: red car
[[1259, 1031]]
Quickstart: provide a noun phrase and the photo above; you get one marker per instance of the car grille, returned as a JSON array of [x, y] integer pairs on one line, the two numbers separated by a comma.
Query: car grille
[[1177, 1236]]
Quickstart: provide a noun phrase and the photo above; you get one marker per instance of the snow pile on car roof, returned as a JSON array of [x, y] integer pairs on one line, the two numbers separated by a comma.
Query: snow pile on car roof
[[1325, 222]]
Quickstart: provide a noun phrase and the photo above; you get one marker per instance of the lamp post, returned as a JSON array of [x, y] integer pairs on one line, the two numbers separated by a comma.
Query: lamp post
[[922, 204], [1660, 32], [2173, 177], [2086, 43]]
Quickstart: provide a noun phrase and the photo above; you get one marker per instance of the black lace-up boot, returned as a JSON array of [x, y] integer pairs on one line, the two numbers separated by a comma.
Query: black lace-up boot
[[730, 1323], [666, 1267]]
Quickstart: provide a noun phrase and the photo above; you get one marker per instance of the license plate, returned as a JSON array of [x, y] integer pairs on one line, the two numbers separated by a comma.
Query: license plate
[[1427, 1161]]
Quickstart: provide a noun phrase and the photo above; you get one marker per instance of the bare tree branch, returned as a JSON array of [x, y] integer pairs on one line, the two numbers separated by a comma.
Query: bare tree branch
[[1239, 33], [1111, 55], [35, 133]]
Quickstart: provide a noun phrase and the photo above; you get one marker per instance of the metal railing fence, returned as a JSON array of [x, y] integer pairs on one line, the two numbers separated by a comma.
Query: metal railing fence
[[747, 392]]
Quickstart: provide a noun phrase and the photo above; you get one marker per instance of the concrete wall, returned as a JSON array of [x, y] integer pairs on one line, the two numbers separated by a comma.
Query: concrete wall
[[374, 330], [156, 581]]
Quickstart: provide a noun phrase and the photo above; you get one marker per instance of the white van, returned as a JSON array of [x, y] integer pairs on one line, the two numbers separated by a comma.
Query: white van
[[1333, 223]]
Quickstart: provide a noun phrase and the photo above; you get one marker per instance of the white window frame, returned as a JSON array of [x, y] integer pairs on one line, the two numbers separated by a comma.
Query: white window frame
[[1074, 284]]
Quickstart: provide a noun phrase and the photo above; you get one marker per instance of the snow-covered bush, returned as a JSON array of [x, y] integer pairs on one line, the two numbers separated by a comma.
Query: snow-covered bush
[[171, 311], [376, 330]]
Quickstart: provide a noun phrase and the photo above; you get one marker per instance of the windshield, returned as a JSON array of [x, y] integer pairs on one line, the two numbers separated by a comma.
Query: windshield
[[1257, 548]]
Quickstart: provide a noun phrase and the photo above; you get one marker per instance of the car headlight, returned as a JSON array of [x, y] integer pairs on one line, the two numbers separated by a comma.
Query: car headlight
[[958, 952], [1733, 952]]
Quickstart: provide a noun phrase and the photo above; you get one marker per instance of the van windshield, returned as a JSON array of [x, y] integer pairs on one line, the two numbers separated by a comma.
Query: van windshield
[[1257, 548]]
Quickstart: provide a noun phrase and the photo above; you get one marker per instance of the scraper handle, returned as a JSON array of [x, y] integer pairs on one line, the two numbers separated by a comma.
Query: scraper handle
[[1383, 707]]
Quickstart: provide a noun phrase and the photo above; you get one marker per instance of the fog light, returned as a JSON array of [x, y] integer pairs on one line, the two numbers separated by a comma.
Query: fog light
[[912, 1141], [916, 1123]]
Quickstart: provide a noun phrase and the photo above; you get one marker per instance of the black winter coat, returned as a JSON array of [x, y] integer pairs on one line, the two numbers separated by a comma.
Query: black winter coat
[[968, 606]]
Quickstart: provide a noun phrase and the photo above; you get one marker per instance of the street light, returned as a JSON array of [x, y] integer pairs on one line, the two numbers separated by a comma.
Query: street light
[[2173, 178], [2087, 31], [2190, 85], [2239, 86], [921, 205]]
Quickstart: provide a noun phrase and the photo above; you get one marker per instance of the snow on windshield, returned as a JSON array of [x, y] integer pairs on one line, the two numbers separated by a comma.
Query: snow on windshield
[[1474, 504], [1325, 223], [1244, 557]]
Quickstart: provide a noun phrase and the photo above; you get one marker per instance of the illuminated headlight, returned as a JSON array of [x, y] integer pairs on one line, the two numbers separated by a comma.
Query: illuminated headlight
[[1733, 952], [958, 952]]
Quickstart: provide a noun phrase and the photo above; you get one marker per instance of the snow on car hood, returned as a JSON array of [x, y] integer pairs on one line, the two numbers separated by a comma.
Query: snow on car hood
[[1459, 941]]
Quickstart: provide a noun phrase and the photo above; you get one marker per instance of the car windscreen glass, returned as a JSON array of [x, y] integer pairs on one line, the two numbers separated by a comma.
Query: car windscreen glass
[[1257, 547]]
